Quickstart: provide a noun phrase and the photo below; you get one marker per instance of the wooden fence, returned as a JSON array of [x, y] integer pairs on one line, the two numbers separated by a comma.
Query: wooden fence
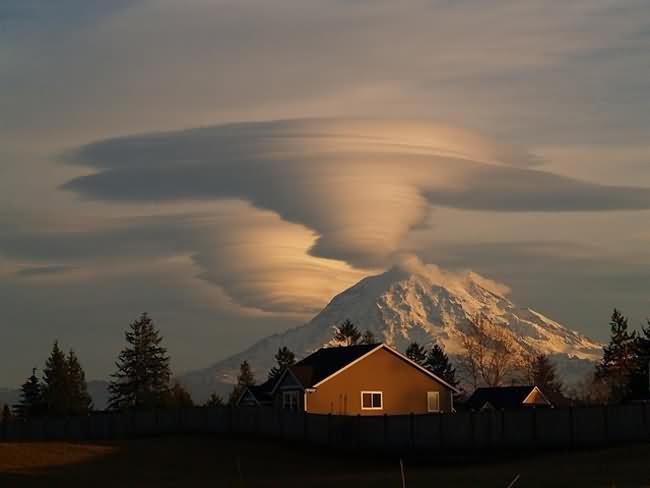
[[515, 429]]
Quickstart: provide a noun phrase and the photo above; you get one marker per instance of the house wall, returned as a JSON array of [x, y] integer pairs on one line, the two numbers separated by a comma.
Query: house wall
[[404, 388]]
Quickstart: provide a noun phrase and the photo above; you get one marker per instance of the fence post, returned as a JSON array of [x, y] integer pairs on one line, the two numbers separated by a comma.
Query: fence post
[[411, 431], [305, 426], [472, 430], [572, 429], [606, 423], [329, 429], [535, 434], [358, 429]]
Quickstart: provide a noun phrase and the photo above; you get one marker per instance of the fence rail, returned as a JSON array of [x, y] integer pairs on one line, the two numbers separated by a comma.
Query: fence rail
[[520, 429]]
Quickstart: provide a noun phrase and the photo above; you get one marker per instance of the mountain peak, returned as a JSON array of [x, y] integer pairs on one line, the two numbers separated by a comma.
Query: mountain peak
[[413, 301]]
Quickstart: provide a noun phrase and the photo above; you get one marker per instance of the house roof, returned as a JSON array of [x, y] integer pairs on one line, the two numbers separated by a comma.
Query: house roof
[[500, 397], [327, 362], [262, 393]]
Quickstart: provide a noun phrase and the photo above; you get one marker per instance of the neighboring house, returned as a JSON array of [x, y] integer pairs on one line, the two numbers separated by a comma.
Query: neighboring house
[[360, 380], [507, 398], [257, 395]]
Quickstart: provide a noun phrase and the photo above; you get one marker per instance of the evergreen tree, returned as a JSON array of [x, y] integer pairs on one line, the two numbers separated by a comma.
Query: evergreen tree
[[142, 377], [244, 379], [368, 338], [619, 358], [640, 383], [543, 374], [6, 414], [179, 397], [31, 398], [79, 402], [438, 363], [284, 358], [416, 353], [214, 401], [347, 334], [56, 384]]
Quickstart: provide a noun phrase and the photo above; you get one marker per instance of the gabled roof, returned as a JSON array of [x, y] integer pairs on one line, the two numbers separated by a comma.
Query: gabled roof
[[501, 397], [327, 362], [261, 393]]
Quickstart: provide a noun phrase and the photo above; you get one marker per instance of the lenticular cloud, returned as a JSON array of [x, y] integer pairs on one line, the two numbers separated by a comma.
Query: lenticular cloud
[[360, 186]]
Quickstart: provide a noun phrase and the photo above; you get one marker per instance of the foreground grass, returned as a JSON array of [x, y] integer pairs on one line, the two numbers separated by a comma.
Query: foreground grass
[[190, 462]]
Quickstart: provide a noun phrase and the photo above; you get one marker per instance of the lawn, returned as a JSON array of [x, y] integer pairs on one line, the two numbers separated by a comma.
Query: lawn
[[207, 461]]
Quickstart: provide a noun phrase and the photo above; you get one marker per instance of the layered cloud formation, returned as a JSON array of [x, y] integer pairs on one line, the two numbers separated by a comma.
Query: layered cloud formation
[[304, 207]]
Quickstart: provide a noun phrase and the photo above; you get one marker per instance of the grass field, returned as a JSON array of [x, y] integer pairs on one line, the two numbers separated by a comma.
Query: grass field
[[198, 462]]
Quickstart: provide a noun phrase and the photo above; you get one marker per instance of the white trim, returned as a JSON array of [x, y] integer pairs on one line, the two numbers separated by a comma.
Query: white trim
[[379, 346], [424, 370], [538, 391], [371, 393], [398, 354], [293, 395], [243, 394], [281, 379], [437, 410]]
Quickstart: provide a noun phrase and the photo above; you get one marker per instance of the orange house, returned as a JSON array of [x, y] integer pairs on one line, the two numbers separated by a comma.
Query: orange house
[[361, 380]]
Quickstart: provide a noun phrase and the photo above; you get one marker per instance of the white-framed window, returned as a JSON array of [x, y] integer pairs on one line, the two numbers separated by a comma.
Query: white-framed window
[[290, 399], [372, 400], [433, 401]]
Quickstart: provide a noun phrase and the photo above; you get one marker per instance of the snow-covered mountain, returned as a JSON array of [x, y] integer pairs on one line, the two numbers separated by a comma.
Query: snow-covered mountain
[[413, 302]]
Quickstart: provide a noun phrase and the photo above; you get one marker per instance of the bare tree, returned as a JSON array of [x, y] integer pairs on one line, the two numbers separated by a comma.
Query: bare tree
[[590, 391], [491, 354]]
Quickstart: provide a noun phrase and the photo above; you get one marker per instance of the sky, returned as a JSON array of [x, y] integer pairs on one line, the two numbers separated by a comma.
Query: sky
[[230, 165]]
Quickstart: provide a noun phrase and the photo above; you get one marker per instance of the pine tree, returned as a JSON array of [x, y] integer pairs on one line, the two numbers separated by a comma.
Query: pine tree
[[416, 353], [142, 377], [80, 402], [368, 338], [543, 374], [31, 399], [56, 385], [619, 359], [244, 379], [214, 401], [284, 358], [640, 383], [438, 363], [347, 334]]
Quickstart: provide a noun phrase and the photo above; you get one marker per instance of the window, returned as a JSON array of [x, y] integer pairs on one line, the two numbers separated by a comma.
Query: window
[[290, 400], [372, 400], [433, 401]]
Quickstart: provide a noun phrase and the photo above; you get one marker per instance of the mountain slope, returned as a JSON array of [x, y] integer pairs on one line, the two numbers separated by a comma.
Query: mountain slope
[[413, 302]]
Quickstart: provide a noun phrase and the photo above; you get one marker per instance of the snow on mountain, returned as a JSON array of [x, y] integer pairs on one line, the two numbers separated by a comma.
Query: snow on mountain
[[413, 302]]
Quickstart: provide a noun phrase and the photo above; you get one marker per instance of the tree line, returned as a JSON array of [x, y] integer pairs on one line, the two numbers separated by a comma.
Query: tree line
[[142, 380], [491, 356]]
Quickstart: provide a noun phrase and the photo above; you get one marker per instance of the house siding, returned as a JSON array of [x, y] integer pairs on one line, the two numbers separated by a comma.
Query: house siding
[[404, 388]]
